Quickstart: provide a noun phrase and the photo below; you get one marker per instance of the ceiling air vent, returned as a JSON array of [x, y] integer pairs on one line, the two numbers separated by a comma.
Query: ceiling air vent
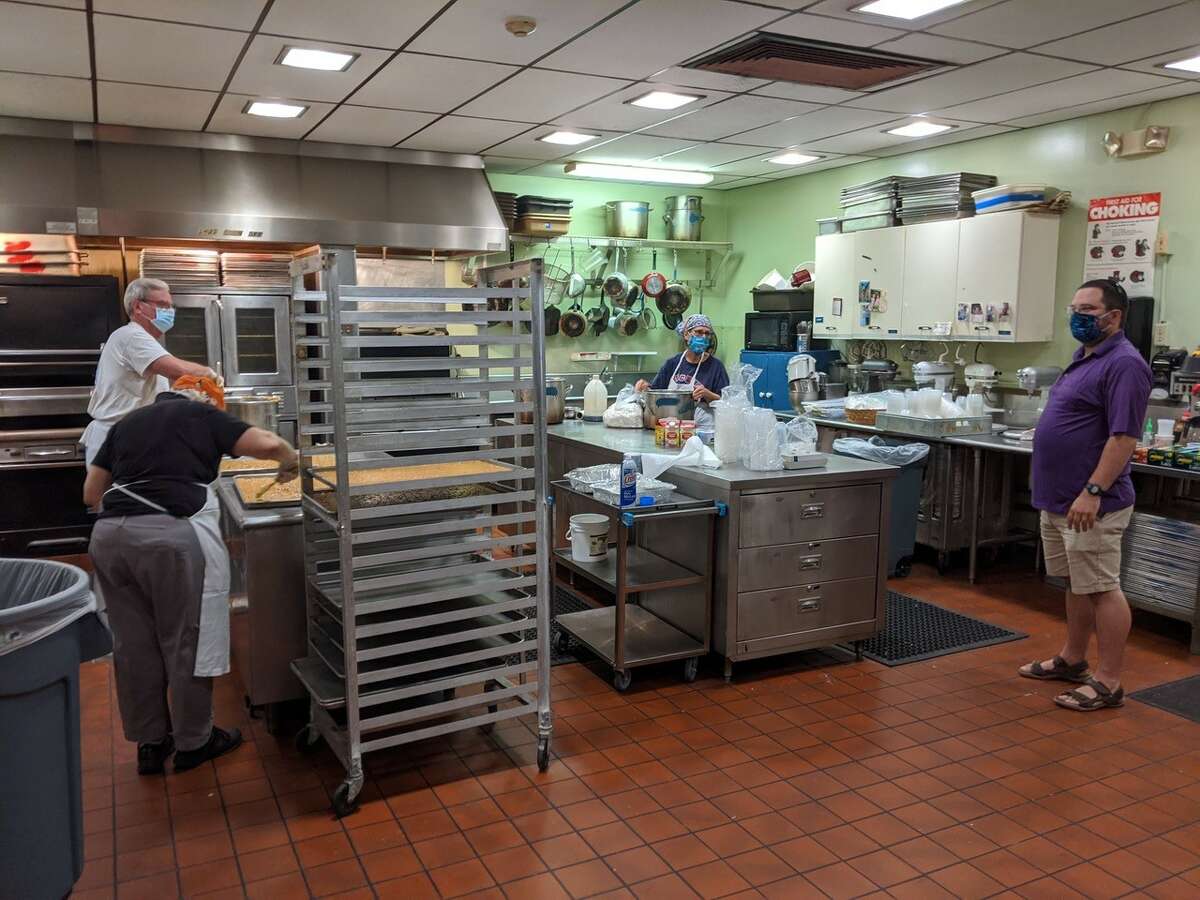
[[780, 57]]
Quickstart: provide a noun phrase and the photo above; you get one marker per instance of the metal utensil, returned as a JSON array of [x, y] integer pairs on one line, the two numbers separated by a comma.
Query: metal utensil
[[676, 297], [654, 282], [576, 283], [573, 322], [616, 285]]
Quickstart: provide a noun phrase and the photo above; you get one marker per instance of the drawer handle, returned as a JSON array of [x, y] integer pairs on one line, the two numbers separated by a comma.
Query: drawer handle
[[809, 604], [813, 545], [810, 562], [812, 511]]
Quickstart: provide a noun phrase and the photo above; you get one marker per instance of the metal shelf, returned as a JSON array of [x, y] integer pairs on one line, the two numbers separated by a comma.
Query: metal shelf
[[644, 571], [648, 639], [576, 240]]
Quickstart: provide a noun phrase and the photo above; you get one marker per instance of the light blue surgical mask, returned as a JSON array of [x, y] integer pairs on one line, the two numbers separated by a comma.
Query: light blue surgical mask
[[164, 318], [698, 343]]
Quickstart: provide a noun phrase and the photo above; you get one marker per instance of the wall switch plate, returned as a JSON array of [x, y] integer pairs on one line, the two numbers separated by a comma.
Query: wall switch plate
[[1161, 244], [1160, 334]]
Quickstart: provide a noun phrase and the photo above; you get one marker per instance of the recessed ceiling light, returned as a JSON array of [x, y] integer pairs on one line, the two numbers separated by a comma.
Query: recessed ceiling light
[[1187, 65], [273, 110], [905, 9], [570, 138], [323, 60], [636, 173], [664, 100], [792, 159], [919, 129]]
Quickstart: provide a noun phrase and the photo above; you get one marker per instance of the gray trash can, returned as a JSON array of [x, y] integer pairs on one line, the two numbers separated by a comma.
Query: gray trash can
[[906, 491], [48, 626]]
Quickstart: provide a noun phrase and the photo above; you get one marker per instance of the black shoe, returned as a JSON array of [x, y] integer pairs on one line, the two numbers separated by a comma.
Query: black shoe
[[219, 742], [152, 758]]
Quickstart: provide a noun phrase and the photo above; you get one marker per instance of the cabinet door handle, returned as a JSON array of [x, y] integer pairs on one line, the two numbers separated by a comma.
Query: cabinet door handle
[[924, 328], [874, 327], [808, 604], [770, 395], [812, 511], [982, 328], [810, 562]]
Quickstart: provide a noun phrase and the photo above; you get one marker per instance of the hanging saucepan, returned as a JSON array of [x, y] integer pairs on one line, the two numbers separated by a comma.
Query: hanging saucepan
[[676, 297], [671, 320], [573, 323], [654, 282], [597, 317], [616, 286], [552, 318]]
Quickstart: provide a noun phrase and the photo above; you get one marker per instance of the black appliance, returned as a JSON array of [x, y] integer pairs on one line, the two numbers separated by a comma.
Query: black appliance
[[52, 329], [776, 331], [1139, 325], [1164, 364]]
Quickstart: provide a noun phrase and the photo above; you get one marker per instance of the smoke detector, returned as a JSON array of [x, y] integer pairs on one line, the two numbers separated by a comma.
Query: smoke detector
[[520, 26]]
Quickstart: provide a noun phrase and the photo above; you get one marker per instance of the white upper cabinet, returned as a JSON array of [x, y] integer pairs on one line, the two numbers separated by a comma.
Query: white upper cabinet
[[930, 278], [835, 294], [879, 288]]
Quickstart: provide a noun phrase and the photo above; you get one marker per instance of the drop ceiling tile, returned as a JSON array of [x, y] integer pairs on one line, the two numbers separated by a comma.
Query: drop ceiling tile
[[941, 140], [507, 165], [740, 183], [758, 165], [229, 119], [474, 29], [834, 31], [429, 83], [942, 49], [732, 116], [809, 93], [1025, 23], [43, 40], [538, 95], [527, 146], [1149, 35], [831, 162], [460, 134], [844, 9], [367, 125], [814, 126], [238, 14], [706, 156], [993, 76], [616, 112], [1154, 64], [700, 78], [1056, 95], [164, 54], [153, 107], [258, 72], [1060, 115], [65, 4], [632, 149], [876, 142], [652, 34], [368, 23], [45, 97]]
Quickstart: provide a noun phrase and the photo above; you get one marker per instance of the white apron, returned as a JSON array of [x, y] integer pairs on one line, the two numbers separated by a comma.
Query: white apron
[[93, 437], [212, 646]]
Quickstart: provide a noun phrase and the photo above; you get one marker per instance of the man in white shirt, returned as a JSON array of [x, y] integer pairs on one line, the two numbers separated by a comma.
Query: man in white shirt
[[133, 361]]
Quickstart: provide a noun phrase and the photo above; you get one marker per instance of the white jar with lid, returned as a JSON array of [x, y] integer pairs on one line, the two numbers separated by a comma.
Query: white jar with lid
[[595, 400]]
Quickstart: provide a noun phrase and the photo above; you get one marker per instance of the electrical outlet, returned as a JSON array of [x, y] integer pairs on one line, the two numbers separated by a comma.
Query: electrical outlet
[[1160, 334], [1161, 246]]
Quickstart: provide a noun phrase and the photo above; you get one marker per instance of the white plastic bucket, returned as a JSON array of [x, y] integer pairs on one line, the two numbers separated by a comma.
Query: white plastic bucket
[[588, 534]]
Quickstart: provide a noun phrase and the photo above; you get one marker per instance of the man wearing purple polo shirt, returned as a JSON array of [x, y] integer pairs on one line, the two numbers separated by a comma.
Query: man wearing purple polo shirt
[[1081, 451]]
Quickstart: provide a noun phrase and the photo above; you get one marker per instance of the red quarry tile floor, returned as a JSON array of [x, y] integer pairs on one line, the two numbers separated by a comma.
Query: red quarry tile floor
[[808, 777]]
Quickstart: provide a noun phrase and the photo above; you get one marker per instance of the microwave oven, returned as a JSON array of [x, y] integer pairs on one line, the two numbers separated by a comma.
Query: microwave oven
[[774, 331]]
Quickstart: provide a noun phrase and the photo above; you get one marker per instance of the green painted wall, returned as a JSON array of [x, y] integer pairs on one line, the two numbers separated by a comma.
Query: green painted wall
[[587, 218], [773, 225]]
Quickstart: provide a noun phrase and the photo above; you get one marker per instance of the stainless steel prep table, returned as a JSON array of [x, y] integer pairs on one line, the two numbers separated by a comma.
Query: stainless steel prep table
[[801, 556]]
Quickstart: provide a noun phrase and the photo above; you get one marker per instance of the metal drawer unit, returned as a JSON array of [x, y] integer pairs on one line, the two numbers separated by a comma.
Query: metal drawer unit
[[791, 516], [424, 617], [785, 565], [781, 614]]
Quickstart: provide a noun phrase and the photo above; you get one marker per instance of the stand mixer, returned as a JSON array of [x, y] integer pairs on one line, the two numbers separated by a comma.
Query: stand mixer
[[936, 374], [980, 377]]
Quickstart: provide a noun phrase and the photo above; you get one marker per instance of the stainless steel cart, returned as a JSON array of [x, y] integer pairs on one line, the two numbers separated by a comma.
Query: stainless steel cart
[[427, 588], [627, 635]]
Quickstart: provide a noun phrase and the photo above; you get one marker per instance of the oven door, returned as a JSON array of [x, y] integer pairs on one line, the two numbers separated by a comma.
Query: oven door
[[196, 335], [256, 340], [43, 512]]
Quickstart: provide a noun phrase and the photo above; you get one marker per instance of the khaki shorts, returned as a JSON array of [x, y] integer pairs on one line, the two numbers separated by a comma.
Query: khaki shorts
[[1091, 559]]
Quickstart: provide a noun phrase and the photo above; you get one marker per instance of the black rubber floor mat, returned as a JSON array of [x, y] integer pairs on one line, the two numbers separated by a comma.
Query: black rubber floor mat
[[564, 602], [917, 630], [1181, 697]]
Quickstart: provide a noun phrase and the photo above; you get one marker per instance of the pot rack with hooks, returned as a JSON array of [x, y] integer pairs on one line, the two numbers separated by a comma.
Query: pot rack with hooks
[[632, 246]]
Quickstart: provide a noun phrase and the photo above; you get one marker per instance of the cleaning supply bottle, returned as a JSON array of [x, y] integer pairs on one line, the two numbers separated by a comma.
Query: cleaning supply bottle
[[595, 400], [1148, 433], [629, 475]]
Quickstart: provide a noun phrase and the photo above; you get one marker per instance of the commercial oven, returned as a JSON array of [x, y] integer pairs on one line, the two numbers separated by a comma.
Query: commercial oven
[[244, 336]]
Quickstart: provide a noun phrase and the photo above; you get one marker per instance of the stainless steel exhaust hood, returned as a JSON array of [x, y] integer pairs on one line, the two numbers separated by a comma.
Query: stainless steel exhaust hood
[[144, 183]]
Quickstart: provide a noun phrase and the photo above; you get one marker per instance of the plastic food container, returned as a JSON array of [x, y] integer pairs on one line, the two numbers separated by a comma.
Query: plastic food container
[[1012, 196], [610, 491]]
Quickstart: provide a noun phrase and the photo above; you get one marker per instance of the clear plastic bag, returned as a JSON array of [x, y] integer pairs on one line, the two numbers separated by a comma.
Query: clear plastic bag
[[799, 435], [877, 449], [37, 598], [626, 410], [727, 413], [761, 451]]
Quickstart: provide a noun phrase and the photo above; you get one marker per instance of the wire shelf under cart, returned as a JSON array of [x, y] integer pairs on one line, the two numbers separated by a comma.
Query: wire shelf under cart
[[425, 506], [629, 634]]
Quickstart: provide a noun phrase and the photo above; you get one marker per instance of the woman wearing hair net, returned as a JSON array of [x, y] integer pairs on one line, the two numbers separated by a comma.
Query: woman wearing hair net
[[696, 369]]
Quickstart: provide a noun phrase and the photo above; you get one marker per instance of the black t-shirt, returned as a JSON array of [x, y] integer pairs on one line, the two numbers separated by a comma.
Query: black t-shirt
[[165, 452]]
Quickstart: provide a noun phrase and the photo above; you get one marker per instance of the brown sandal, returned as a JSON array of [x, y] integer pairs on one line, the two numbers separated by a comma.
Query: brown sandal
[[1104, 699], [1061, 670]]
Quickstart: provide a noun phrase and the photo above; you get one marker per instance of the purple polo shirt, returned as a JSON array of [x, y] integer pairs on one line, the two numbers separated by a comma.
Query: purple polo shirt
[[1099, 395]]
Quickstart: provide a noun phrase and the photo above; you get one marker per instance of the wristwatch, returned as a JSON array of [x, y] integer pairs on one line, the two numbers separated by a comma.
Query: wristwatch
[[1094, 489]]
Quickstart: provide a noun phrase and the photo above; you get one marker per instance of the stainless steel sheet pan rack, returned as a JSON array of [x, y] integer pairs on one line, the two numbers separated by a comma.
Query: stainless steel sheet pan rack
[[427, 588]]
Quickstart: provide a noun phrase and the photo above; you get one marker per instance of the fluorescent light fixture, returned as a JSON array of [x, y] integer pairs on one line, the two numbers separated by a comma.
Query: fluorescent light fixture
[[919, 129], [636, 173], [322, 60], [274, 110], [905, 9], [1186, 65], [664, 100], [792, 159], [570, 138]]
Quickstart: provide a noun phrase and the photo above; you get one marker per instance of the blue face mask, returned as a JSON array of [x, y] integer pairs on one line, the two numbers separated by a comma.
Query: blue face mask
[[164, 319], [698, 343], [1085, 327]]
